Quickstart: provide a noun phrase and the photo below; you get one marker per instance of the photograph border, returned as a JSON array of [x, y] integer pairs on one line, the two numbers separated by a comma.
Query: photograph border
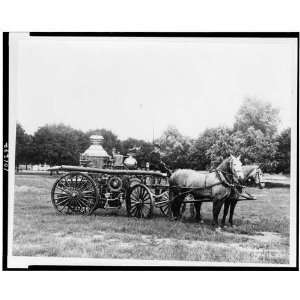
[[137, 34]]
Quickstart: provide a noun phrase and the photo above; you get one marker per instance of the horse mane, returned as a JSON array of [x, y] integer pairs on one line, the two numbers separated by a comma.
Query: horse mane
[[224, 165]]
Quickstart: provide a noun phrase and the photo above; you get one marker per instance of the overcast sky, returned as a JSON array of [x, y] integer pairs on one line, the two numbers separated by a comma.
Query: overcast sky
[[133, 86]]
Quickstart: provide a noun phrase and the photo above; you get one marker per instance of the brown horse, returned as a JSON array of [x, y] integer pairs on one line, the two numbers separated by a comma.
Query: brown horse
[[217, 186]]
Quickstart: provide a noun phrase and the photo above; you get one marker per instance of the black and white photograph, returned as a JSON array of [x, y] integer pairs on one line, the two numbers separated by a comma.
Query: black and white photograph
[[152, 150]]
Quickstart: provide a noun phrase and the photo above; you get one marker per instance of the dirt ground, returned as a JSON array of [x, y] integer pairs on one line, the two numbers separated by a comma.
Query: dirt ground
[[261, 234]]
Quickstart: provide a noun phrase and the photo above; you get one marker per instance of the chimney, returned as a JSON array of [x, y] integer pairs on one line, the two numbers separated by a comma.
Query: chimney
[[95, 156]]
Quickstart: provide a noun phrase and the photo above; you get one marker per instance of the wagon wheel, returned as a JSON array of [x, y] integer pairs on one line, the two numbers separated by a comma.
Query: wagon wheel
[[139, 202], [75, 193], [165, 207]]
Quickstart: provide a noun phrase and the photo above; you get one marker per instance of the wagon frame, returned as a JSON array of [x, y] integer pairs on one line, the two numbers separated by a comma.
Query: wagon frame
[[82, 190]]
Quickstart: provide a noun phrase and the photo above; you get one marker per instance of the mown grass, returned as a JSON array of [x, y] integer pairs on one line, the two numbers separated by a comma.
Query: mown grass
[[40, 231]]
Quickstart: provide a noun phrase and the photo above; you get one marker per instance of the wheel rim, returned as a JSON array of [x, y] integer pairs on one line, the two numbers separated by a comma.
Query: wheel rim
[[140, 202], [74, 193]]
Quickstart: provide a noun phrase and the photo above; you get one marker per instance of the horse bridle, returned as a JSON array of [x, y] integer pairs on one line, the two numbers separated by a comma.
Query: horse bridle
[[258, 174], [230, 174]]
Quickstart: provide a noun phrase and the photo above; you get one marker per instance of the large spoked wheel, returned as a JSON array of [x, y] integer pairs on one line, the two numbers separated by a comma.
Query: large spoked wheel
[[75, 193], [139, 202], [163, 203]]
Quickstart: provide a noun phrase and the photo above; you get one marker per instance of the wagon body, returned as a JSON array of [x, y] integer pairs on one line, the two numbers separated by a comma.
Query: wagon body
[[82, 190]]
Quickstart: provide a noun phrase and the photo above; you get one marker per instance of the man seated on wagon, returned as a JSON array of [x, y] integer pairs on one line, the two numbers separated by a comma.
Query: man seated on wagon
[[156, 163]]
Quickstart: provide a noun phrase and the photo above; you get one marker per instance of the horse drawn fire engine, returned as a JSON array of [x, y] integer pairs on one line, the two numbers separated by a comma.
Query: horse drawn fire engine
[[102, 182]]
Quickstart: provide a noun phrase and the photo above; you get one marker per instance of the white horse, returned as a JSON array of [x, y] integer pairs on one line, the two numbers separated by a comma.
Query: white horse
[[216, 185]]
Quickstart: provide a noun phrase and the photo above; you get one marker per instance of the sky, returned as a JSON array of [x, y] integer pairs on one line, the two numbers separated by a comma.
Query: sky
[[137, 87]]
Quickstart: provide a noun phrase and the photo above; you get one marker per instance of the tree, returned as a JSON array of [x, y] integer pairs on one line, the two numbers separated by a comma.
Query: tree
[[176, 148], [210, 148], [58, 144], [256, 148], [283, 155], [24, 149], [259, 115], [223, 146]]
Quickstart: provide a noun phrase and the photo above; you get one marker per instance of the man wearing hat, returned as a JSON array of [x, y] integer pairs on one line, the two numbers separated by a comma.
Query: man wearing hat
[[156, 164]]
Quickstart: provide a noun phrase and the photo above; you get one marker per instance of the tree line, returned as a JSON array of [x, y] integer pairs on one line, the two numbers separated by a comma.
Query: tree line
[[254, 135]]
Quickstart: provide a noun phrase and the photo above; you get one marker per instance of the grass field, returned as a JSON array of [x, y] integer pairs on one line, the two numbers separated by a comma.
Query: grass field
[[261, 234]]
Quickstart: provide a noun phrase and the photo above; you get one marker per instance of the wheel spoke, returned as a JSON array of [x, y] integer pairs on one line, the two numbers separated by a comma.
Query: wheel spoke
[[133, 211], [63, 208], [79, 203], [133, 208], [134, 196], [147, 209], [135, 204], [64, 186], [164, 209], [82, 185], [88, 191], [138, 213], [142, 192], [64, 201], [62, 197], [88, 198], [63, 194], [135, 193], [66, 182], [147, 198], [61, 189], [86, 202], [133, 199]]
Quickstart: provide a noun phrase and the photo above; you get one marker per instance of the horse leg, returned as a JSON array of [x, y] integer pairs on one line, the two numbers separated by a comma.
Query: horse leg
[[232, 207], [175, 206], [226, 207], [217, 205], [198, 211]]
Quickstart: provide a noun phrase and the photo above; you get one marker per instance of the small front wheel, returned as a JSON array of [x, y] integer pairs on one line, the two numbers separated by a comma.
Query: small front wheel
[[139, 202], [163, 202]]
